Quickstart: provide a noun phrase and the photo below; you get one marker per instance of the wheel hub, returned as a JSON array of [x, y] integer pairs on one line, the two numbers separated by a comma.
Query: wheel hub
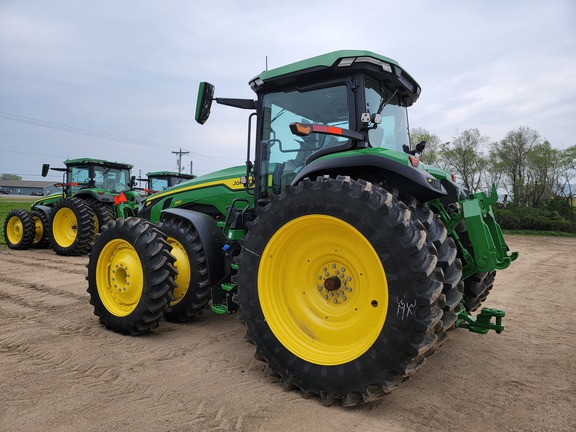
[[337, 283]]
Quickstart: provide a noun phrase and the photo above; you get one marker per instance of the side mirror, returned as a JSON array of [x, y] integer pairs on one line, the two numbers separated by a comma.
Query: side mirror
[[204, 102], [45, 169], [132, 182]]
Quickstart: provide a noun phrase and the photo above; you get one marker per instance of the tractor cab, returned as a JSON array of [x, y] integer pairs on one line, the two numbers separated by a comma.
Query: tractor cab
[[162, 180], [83, 174], [339, 113]]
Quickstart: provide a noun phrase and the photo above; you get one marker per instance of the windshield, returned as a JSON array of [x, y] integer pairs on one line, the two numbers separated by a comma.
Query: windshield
[[158, 184], [392, 133], [112, 179], [288, 152], [79, 177]]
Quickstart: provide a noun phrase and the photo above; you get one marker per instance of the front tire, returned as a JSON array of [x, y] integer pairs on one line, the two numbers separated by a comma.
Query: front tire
[[338, 289], [192, 290], [72, 227], [130, 276], [104, 213], [478, 285], [41, 237], [19, 229]]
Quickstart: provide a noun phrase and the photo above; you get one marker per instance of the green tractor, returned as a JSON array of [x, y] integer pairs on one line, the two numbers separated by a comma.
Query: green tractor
[[348, 259], [94, 192], [162, 180]]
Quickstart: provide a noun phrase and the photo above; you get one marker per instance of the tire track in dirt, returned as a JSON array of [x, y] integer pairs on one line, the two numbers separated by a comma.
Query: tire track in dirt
[[23, 263], [38, 312], [60, 370]]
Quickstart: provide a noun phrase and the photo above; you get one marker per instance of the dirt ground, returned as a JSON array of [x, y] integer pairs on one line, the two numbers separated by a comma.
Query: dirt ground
[[62, 371]]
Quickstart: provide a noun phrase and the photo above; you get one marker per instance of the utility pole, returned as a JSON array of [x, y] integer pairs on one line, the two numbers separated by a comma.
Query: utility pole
[[179, 158]]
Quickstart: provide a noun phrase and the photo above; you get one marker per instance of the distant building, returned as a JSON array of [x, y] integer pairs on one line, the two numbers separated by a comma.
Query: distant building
[[27, 187]]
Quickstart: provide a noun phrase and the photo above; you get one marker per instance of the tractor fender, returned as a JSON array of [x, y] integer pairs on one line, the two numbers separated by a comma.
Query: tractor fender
[[47, 210], [416, 182], [211, 236], [90, 193]]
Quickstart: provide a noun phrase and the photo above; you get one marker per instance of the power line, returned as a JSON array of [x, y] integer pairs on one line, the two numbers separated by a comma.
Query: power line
[[101, 135], [87, 132]]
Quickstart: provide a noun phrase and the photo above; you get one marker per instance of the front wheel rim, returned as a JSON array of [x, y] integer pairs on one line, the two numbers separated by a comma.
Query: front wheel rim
[[182, 265], [65, 227], [38, 230], [323, 289], [119, 277], [15, 230]]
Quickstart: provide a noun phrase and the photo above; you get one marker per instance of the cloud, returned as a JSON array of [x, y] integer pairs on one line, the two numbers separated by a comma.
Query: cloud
[[132, 68]]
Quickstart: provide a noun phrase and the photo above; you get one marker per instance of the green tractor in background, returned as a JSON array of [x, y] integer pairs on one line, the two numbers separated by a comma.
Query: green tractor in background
[[94, 192], [348, 258], [161, 180]]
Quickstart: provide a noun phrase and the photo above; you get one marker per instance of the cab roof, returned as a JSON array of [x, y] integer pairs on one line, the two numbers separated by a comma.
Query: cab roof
[[341, 61], [101, 162]]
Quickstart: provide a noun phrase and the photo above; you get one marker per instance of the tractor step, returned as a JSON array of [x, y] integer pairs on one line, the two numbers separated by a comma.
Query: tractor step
[[483, 322], [223, 299]]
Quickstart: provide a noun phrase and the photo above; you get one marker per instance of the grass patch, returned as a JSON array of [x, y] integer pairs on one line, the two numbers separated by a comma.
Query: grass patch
[[540, 233], [6, 205]]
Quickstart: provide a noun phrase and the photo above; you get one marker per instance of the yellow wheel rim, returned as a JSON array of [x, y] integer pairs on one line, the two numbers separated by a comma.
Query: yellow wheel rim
[[65, 227], [39, 230], [182, 264], [119, 277], [14, 230], [323, 290]]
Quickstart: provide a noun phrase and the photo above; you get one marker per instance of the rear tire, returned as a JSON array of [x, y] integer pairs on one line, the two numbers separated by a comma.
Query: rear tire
[[338, 289], [448, 263], [130, 276], [19, 229], [72, 227], [192, 290]]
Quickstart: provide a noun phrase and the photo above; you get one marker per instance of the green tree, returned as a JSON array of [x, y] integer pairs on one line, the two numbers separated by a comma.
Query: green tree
[[464, 156], [510, 157], [567, 175], [543, 169], [10, 177]]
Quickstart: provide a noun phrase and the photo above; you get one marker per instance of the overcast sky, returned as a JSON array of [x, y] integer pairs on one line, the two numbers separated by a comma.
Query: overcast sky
[[117, 79]]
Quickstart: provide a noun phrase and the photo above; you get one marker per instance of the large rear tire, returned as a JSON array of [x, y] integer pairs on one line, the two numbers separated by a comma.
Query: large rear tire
[[192, 290], [19, 229], [72, 227], [448, 263], [339, 289], [130, 276]]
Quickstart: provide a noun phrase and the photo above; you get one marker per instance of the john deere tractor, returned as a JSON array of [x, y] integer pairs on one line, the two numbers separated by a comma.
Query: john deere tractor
[[94, 192], [162, 180], [347, 258]]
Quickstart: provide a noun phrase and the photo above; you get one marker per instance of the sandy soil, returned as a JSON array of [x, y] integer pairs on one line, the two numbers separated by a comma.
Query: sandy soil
[[62, 371]]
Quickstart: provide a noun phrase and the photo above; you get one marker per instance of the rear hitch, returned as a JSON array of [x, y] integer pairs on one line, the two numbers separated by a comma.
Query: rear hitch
[[483, 322]]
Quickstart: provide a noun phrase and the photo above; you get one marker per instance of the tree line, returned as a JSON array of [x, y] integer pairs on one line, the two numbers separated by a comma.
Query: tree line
[[523, 166]]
